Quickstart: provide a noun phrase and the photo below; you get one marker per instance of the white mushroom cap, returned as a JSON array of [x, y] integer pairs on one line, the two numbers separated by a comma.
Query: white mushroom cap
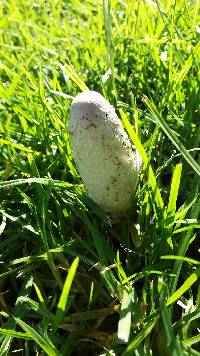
[[88, 108], [102, 152]]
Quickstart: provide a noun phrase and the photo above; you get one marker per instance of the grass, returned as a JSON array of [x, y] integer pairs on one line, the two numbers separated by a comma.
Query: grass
[[70, 283]]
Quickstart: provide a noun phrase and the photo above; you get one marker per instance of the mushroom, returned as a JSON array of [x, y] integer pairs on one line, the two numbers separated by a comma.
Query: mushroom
[[102, 152]]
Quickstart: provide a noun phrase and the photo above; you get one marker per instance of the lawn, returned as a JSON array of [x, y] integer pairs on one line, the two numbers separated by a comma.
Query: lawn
[[71, 281]]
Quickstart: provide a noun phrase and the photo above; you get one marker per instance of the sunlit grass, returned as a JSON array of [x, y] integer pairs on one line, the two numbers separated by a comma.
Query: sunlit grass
[[70, 282]]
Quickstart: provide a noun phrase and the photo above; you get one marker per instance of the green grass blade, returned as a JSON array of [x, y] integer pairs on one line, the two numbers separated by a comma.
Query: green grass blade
[[37, 338], [193, 340], [16, 334], [45, 181], [171, 208], [180, 258], [60, 312], [15, 145], [186, 67], [186, 285], [190, 227], [67, 69], [187, 318], [5, 345], [184, 245], [140, 337], [181, 148], [174, 347], [152, 179], [110, 49]]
